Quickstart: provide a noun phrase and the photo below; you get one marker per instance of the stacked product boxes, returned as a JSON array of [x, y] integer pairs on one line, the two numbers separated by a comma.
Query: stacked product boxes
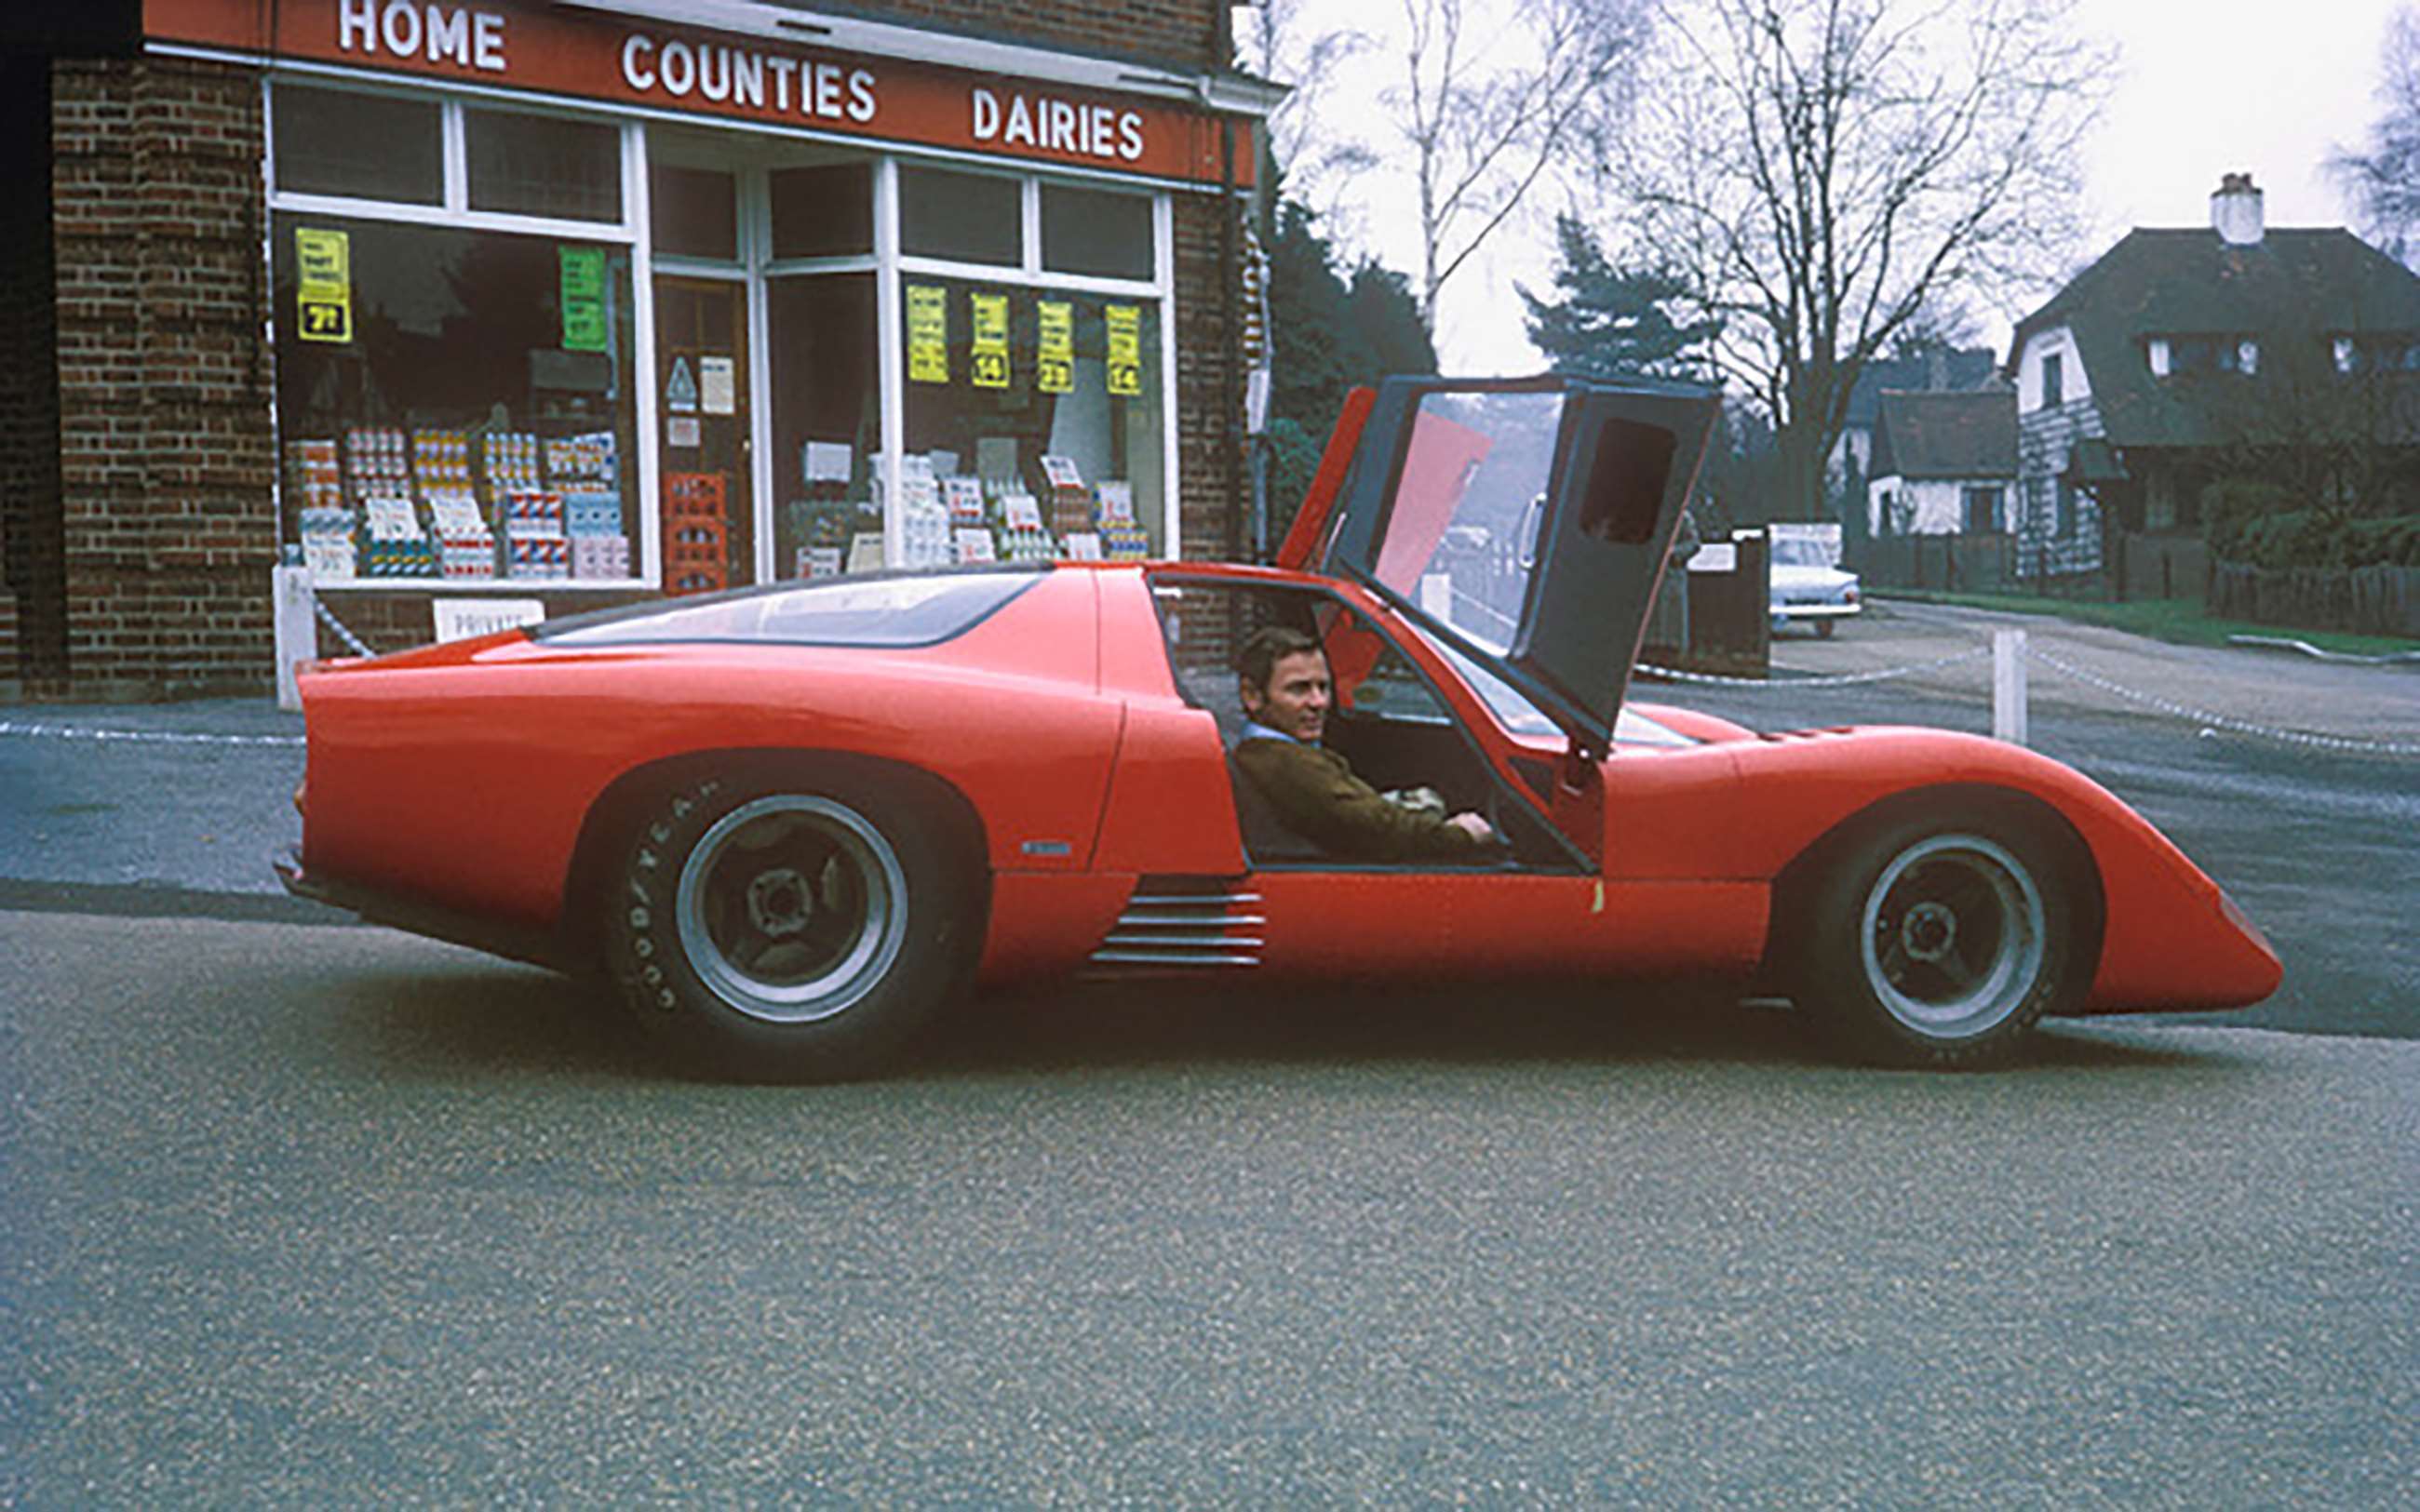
[[451, 503], [315, 491], [1123, 538]]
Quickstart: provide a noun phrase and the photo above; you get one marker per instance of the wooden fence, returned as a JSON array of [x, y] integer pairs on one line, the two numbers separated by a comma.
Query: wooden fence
[[1983, 563], [2366, 600]]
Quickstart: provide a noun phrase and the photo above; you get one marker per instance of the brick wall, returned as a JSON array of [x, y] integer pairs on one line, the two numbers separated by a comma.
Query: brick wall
[[33, 646], [1175, 31], [158, 431], [165, 448], [1209, 397]]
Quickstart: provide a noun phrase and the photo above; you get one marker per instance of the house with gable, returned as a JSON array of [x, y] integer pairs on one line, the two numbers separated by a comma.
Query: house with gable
[[1944, 463], [2184, 356]]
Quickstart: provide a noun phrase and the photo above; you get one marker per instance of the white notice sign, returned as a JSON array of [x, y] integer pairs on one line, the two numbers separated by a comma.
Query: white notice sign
[[459, 619], [717, 385]]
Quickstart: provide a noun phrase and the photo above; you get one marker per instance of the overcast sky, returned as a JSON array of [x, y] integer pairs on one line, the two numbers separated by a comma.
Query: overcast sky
[[2207, 87]]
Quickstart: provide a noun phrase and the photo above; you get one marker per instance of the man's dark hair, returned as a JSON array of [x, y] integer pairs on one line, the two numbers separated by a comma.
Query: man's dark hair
[[1268, 646]]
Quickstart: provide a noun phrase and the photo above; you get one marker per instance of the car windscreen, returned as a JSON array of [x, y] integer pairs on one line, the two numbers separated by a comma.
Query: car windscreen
[[1787, 553], [1523, 717], [906, 609]]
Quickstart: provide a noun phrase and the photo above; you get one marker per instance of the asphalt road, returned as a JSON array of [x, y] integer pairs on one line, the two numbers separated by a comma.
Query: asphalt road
[[307, 1216]]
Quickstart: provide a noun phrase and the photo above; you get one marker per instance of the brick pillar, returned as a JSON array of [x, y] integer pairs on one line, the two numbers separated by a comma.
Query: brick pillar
[[166, 450], [1209, 387]]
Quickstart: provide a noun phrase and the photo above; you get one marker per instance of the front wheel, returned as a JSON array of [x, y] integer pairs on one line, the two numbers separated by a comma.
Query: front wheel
[[1941, 941], [787, 934]]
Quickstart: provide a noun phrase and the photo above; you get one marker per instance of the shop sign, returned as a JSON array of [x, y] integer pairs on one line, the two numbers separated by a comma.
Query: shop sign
[[718, 385], [988, 359], [1125, 356], [1054, 359], [928, 333], [594, 54], [583, 298], [324, 266]]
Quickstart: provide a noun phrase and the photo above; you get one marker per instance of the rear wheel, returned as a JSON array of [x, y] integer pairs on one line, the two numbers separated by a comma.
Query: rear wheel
[[793, 935], [1940, 940]]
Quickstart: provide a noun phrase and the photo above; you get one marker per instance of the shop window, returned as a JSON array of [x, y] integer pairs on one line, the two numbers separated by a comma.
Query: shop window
[[364, 147], [544, 166], [1096, 232], [693, 212], [453, 404], [1034, 425], [823, 211], [965, 217], [827, 426]]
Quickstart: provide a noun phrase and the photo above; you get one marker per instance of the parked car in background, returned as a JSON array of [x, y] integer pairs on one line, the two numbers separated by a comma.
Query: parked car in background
[[1809, 586]]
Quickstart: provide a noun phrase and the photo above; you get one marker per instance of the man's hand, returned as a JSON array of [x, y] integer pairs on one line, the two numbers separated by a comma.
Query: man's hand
[[1474, 827]]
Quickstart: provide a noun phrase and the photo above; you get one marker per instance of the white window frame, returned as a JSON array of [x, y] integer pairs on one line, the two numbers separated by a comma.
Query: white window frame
[[752, 152], [452, 213]]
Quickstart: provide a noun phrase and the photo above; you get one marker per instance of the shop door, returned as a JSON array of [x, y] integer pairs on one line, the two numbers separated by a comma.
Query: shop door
[[701, 418]]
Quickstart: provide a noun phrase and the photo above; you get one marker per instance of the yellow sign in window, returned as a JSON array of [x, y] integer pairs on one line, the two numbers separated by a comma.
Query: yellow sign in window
[[988, 359], [1054, 358], [928, 333], [324, 273], [1125, 357]]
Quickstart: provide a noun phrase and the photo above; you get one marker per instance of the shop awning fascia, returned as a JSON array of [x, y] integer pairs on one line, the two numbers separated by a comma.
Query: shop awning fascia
[[1229, 93]]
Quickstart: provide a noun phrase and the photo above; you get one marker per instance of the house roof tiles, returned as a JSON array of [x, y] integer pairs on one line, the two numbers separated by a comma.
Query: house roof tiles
[[2314, 283], [1938, 435]]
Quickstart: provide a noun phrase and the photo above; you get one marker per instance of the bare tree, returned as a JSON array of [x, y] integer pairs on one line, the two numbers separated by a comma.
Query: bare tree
[[1491, 101], [1835, 168], [2385, 180], [1277, 41]]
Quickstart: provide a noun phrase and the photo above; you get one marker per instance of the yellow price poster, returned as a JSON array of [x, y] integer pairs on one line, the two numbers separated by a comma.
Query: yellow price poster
[[928, 333], [1125, 360], [987, 360], [323, 263], [1054, 359]]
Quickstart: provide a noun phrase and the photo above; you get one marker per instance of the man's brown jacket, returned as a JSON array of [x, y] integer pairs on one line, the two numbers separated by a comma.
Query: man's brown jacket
[[1314, 791]]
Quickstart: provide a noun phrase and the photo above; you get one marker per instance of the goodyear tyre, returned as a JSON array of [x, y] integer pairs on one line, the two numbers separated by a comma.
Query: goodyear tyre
[[1942, 937], [788, 934]]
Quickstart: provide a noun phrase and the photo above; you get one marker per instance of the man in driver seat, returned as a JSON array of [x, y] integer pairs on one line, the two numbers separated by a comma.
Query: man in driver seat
[[1283, 679]]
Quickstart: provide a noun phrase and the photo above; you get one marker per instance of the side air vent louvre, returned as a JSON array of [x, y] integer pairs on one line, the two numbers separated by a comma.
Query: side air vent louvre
[[1185, 922]]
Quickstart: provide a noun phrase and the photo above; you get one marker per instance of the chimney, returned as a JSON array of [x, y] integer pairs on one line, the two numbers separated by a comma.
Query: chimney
[[2235, 211]]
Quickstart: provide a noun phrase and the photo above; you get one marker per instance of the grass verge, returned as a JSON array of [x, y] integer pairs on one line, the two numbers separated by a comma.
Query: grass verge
[[2182, 621]]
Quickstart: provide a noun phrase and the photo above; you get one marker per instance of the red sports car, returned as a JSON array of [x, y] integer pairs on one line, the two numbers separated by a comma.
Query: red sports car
[[789, 823]]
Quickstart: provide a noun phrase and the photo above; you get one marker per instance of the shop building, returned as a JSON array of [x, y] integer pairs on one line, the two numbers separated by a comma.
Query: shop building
[[501, 305]]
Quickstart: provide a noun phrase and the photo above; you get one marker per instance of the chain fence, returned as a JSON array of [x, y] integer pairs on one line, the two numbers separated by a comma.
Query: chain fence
[[2204, 718]]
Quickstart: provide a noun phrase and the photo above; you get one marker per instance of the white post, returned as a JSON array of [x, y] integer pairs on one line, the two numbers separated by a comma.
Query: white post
[[296, 632], [2009, 685]]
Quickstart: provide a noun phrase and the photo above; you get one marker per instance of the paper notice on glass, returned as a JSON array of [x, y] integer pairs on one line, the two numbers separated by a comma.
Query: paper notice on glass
[[1124, 363], [988, 351], [829, 461], [325, 264], [1054, 357], [717, 385], [928, 333], [683, 430], [865, 551]]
